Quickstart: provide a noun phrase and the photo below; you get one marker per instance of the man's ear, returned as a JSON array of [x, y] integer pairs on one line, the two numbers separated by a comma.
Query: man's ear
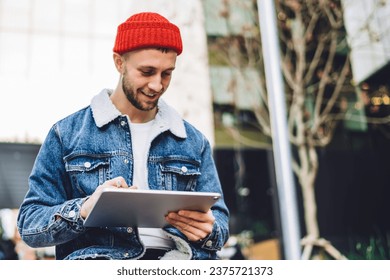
[[119, 62]]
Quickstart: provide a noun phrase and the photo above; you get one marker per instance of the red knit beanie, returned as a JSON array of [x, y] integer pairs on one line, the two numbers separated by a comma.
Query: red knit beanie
[[145, 30]]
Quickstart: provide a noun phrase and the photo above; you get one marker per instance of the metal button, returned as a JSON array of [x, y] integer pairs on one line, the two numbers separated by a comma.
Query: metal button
[[129, 229], [71, 214], [126, 161], [209, 243], [184, 169], [87, 164], [123, 123]]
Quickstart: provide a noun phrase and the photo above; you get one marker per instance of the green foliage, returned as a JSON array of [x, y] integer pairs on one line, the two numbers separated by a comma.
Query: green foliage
[[373, 247]]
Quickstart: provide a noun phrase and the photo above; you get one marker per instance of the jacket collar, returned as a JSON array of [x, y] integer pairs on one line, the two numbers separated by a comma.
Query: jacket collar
[[104, 111]]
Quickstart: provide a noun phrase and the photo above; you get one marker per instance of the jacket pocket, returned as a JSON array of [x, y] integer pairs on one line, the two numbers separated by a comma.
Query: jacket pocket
[[87, 172], [179, 174]]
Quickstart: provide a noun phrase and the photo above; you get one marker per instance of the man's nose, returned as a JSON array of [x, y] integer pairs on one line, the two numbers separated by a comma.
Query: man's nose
[[155, 84]]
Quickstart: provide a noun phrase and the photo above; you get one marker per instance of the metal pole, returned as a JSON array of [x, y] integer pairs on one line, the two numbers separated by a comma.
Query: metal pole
[[278, 116]]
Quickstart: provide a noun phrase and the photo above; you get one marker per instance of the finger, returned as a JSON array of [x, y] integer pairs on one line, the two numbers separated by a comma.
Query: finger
[[203, 221], [119, 182], [197, 216], [195, 227], [194, 236], [191, 232]]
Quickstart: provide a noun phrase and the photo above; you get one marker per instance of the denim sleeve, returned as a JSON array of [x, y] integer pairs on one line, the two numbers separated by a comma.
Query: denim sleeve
[[217, 238], [209, 181], [46, 216]]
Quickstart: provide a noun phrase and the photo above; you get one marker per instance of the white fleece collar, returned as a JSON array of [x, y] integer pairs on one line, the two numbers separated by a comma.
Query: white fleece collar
[[104, 111]]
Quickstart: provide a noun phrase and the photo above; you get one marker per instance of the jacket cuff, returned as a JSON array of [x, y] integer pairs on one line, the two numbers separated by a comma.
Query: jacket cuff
[[213, 241], [71, 212]]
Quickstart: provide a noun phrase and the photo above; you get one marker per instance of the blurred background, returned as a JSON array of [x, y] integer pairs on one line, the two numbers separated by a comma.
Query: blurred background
[[55, 55]]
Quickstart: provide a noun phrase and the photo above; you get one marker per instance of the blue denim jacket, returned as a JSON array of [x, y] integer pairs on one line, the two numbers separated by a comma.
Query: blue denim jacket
[[93, 145]]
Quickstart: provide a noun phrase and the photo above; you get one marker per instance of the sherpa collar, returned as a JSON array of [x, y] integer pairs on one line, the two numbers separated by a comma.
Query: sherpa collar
[[104, 111]]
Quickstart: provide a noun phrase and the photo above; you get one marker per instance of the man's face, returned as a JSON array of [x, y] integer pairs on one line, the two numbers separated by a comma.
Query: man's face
[[146, 76]]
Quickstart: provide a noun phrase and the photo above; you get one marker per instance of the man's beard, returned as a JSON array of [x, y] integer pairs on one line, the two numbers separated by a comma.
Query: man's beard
[[132, 97]]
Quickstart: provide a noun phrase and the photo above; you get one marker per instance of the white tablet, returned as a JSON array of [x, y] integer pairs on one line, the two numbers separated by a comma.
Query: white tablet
[[144, 208]]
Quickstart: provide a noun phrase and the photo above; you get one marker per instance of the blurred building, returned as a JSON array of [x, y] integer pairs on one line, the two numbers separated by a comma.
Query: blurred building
[[243, 153], [367, 23], [55, 55], [16, 161]]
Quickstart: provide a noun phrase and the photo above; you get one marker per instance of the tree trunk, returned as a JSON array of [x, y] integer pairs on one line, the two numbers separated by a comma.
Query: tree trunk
[[306, 174], [310, 209]]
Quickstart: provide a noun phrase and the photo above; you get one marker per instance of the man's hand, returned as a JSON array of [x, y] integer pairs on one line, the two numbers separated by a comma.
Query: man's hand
[[193, 224], [118, 182]]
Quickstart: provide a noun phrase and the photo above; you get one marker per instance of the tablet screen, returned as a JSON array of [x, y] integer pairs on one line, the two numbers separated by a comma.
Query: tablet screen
[[144, 208]]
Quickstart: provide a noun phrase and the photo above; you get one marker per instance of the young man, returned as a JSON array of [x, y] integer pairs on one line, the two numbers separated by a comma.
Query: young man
[[126, 137]]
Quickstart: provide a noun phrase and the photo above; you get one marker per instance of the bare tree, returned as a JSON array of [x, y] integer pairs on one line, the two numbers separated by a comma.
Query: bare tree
[[318, 82], [310, 34], [317, 76]]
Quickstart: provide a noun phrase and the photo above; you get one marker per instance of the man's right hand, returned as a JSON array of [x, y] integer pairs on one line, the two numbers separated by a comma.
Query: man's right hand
[[118, 182]]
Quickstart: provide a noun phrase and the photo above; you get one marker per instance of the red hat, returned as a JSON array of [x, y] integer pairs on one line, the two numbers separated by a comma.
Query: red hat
[[145, 30]]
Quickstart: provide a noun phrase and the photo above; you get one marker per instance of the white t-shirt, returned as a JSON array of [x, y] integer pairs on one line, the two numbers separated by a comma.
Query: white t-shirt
[[140, 136]]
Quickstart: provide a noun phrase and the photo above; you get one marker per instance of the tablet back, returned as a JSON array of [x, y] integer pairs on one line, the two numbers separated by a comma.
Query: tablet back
[[144, 208]]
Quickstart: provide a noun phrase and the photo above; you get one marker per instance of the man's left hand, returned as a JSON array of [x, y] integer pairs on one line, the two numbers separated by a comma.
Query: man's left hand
[[193, 224]]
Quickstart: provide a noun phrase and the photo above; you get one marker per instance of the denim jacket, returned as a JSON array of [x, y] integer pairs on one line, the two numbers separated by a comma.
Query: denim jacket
[[93, 145]]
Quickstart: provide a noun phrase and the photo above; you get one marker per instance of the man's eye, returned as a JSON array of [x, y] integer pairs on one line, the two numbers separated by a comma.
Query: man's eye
[[147, 73]]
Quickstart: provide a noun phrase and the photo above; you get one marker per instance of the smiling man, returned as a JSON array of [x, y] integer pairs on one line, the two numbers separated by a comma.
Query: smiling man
[[127, 137]]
